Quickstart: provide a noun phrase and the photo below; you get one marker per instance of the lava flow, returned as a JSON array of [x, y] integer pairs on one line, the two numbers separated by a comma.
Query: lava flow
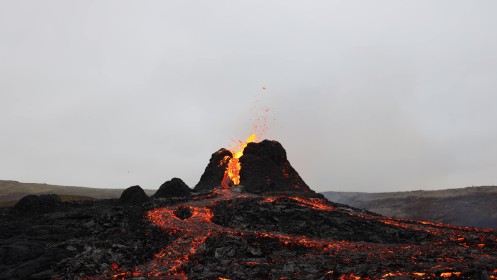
[[232, 173], [448, 247], [294, 233], [194, 230]]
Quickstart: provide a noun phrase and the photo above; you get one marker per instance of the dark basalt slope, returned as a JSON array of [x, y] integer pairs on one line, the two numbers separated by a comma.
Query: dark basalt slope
[[265, 168], [214, 172]]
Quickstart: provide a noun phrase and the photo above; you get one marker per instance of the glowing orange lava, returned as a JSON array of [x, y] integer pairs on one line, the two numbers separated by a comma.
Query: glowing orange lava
[[232, 174], [313, 203]]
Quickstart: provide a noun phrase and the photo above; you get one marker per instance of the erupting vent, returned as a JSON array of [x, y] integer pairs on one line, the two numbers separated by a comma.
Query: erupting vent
[[260, 167], [232, 173]]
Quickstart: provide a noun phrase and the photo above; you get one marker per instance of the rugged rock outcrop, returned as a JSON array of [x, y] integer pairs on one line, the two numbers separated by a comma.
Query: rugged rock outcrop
[[214, 172], [265, 168], [133, 195], [173, 188]]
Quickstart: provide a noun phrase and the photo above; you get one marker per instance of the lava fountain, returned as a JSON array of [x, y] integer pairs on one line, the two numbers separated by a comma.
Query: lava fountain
[[232, 173]]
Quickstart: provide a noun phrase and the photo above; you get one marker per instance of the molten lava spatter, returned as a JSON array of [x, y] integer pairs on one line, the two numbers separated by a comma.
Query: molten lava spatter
[[232, 174]]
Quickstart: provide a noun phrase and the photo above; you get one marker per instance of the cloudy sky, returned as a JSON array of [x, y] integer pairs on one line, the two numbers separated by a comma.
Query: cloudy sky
[[364, 95]]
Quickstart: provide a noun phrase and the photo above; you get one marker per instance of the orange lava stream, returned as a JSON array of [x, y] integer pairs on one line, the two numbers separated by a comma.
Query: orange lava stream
[[313, 203], [232, 174]]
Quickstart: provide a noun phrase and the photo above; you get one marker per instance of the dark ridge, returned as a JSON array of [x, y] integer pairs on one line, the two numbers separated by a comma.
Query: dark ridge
[[471, 206]]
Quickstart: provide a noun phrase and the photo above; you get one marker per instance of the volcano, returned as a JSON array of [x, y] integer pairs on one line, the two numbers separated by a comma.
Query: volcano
[[251, 216], [264, 168]]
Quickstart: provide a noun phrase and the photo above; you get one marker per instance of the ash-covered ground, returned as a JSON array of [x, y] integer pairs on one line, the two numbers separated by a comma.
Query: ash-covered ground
[[271, 226]]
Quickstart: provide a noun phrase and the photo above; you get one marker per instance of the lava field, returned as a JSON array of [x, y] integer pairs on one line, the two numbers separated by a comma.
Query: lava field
[[264, 224]]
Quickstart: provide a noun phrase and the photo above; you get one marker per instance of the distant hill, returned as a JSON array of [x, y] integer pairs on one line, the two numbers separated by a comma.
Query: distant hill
[[471, 206], [11, 191]]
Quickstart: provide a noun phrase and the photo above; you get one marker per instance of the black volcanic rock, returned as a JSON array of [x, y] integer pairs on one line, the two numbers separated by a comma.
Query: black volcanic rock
[[133, 195], [265, 168], [84, 239], [173, 188], [214, 172], [285, 215], [34, 204]]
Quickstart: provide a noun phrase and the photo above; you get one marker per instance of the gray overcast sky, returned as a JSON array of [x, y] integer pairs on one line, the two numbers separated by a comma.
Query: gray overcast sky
[[366, 95]]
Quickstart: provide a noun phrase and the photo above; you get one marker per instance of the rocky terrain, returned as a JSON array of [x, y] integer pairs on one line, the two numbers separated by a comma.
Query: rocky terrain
[[71, 239], [471, 206], [276, 228]]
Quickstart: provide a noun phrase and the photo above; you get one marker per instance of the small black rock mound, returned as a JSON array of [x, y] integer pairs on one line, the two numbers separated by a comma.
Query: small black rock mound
[[34, 204], [173, 188], [214, 172], [133, 195], [265, 168]]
